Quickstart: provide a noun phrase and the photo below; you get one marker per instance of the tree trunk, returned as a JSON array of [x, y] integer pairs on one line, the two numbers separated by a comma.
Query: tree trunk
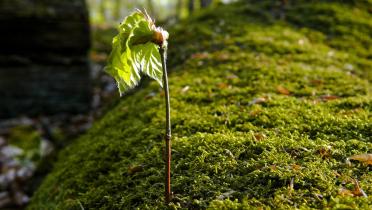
[[117, 10], [102, 10], [43, 57], [283, 7], [191, 6], [205, 3], [178, 9]]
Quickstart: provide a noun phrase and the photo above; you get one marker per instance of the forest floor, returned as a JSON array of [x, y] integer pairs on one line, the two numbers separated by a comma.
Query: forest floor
[[268, 104]]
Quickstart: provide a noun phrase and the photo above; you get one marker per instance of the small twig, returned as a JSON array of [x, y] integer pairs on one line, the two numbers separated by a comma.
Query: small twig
[[168, 194]]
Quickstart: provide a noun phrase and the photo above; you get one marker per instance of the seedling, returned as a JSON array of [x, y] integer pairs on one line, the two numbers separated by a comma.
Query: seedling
[[141, 48]]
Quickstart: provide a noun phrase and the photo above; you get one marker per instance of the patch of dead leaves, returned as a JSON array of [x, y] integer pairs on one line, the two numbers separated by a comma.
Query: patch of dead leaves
[[357, 191], [232, 77], [134, 169], [255, 113], [259, 136], [364, 158], [260, 100], [185, 89], [203, 55], [325, 152], [329, 97], [223, 85], [316, 82], [282, 90]]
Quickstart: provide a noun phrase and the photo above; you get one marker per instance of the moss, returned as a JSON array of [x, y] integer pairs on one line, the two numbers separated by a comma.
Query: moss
[[288, 150], [28, 139]]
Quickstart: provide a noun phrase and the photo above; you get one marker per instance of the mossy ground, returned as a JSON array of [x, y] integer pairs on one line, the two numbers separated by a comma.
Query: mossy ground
[[310, 77]]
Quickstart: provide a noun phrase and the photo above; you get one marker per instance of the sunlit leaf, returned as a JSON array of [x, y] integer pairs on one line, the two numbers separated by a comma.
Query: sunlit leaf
[[147, 59], [135, 51]]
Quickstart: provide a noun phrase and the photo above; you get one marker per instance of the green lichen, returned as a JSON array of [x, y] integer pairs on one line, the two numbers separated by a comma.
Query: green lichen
[[288, 151]]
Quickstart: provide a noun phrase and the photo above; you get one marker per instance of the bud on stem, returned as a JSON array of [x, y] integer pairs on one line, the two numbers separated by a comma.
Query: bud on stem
[[160, 37]]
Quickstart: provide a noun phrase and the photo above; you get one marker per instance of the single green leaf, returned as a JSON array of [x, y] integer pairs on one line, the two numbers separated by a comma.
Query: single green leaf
[[147, 59], [134, 52]]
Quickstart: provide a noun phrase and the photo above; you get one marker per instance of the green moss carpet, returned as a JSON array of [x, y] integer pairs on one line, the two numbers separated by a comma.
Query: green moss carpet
[[267, 105]]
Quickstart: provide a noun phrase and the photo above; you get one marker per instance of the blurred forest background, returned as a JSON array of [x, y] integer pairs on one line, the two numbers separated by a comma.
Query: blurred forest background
[[105, 15], [108, 12]]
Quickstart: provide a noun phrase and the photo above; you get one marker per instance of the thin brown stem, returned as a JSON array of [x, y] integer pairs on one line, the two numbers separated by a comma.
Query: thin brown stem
[[168, 193]]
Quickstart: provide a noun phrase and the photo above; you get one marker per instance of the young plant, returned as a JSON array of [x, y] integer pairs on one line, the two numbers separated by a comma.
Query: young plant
[[141, 48]]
